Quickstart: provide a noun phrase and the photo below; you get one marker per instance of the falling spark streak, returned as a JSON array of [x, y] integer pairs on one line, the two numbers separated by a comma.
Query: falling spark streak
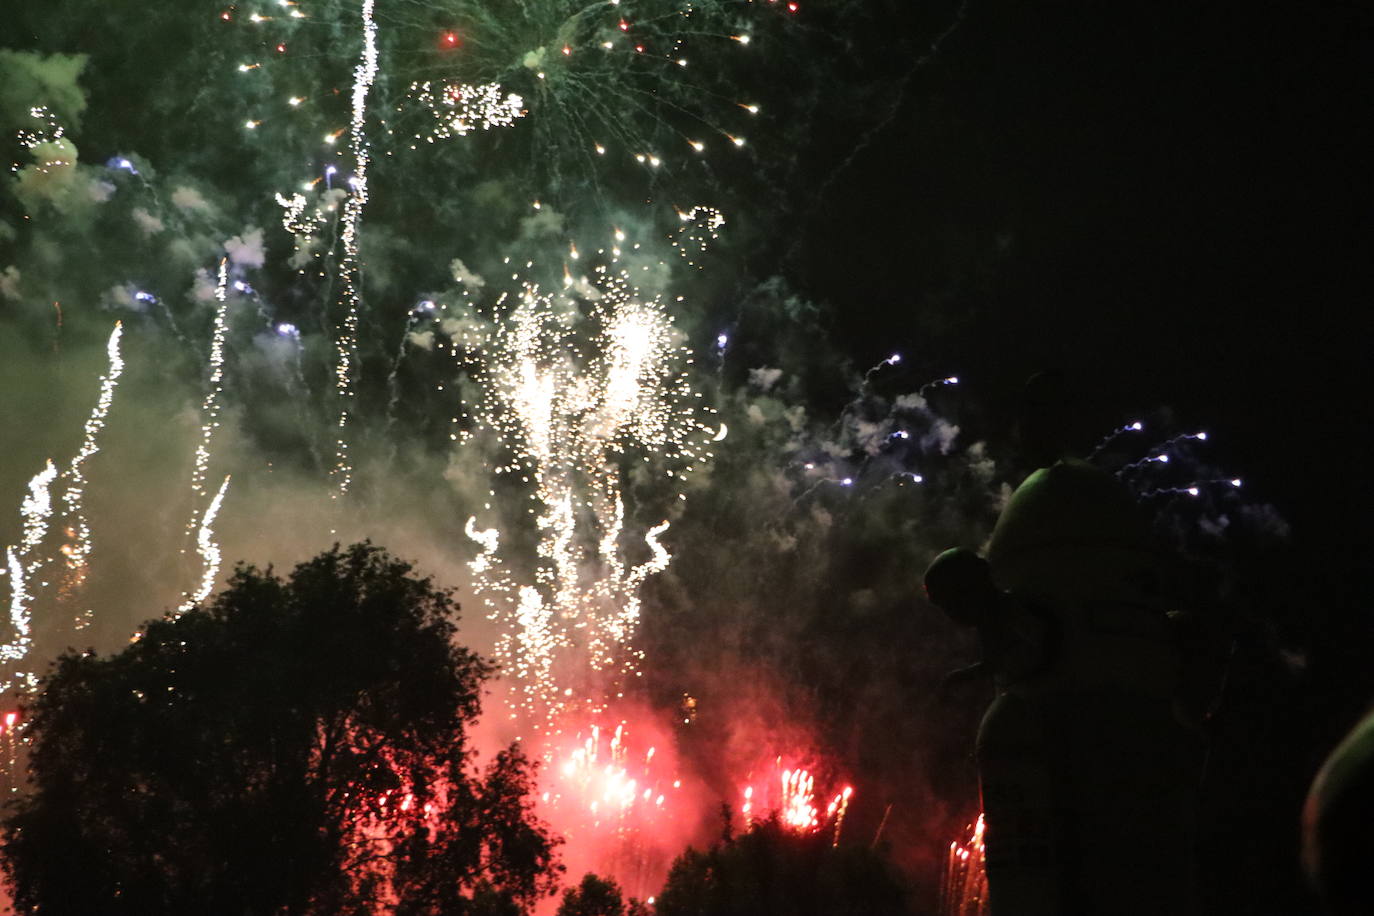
[[836, 810], [209, 552], [36, 509], [347, 343], [19, 619], [965, 888], [210, 407], [79, 551]]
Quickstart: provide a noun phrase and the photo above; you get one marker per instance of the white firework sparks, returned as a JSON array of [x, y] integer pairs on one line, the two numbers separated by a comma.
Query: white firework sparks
[[36, 510], [579, 383], [461, 108], [18, 648], [209, 552], [210, 406], [78, 552], [346, 345], [25, 564]]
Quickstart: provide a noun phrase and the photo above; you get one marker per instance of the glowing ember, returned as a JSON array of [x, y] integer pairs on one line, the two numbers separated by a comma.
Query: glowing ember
[[795, 803], [965, 890], [798, 808], [11, 737], [612, 786]]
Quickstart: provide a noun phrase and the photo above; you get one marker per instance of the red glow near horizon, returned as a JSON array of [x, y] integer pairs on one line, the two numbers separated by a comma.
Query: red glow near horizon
[[449, 40], [614, 789], [611, 789], [791, 792]]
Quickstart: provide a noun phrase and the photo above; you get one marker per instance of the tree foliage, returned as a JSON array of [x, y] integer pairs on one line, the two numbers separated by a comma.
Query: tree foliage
[[596, 896], [297, 746], [772, 869]]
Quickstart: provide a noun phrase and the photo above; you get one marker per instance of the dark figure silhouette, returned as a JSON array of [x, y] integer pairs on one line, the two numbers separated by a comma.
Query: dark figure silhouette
[[1338, 845], [1086, 772]]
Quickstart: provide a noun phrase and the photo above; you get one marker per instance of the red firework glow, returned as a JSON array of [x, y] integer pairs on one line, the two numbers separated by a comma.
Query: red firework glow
[[795, 802], [613, 788], [617, 787], [965, 890]]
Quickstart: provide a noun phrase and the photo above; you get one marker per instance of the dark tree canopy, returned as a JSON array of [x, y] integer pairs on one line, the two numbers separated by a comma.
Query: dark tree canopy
[[297, 746], [771, 869], [596, 896]]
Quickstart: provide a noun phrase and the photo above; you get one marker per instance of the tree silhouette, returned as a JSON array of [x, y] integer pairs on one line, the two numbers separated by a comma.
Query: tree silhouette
[[295, 747], [772, 869], [596, 896]]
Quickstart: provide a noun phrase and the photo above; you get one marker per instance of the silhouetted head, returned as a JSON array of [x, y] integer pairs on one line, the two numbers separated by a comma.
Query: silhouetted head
[[959, 583]]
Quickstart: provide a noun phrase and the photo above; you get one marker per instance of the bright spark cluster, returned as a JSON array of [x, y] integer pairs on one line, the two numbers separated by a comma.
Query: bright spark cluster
[[46, 141], [794, 802], [701, 226], [612, 785], [965, 888], [461, 108], [578, 383]]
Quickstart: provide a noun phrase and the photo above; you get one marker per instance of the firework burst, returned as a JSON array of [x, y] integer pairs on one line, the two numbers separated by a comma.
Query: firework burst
[[581, 386]]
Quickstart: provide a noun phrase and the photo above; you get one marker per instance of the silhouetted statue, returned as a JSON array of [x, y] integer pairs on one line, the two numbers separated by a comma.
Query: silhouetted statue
[[1338, 845], [1086, 772]]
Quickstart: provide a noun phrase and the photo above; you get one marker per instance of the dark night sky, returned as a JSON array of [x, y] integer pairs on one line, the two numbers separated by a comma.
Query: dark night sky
[[1169, 202]]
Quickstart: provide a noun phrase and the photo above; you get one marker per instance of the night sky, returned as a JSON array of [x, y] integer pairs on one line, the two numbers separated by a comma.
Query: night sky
[[1168, 202]]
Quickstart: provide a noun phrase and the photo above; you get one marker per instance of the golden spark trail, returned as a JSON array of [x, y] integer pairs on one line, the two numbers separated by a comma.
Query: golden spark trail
[[346, 346], [209, 552], [210, 407], [36, 509], [18, 648], [78, 552]]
